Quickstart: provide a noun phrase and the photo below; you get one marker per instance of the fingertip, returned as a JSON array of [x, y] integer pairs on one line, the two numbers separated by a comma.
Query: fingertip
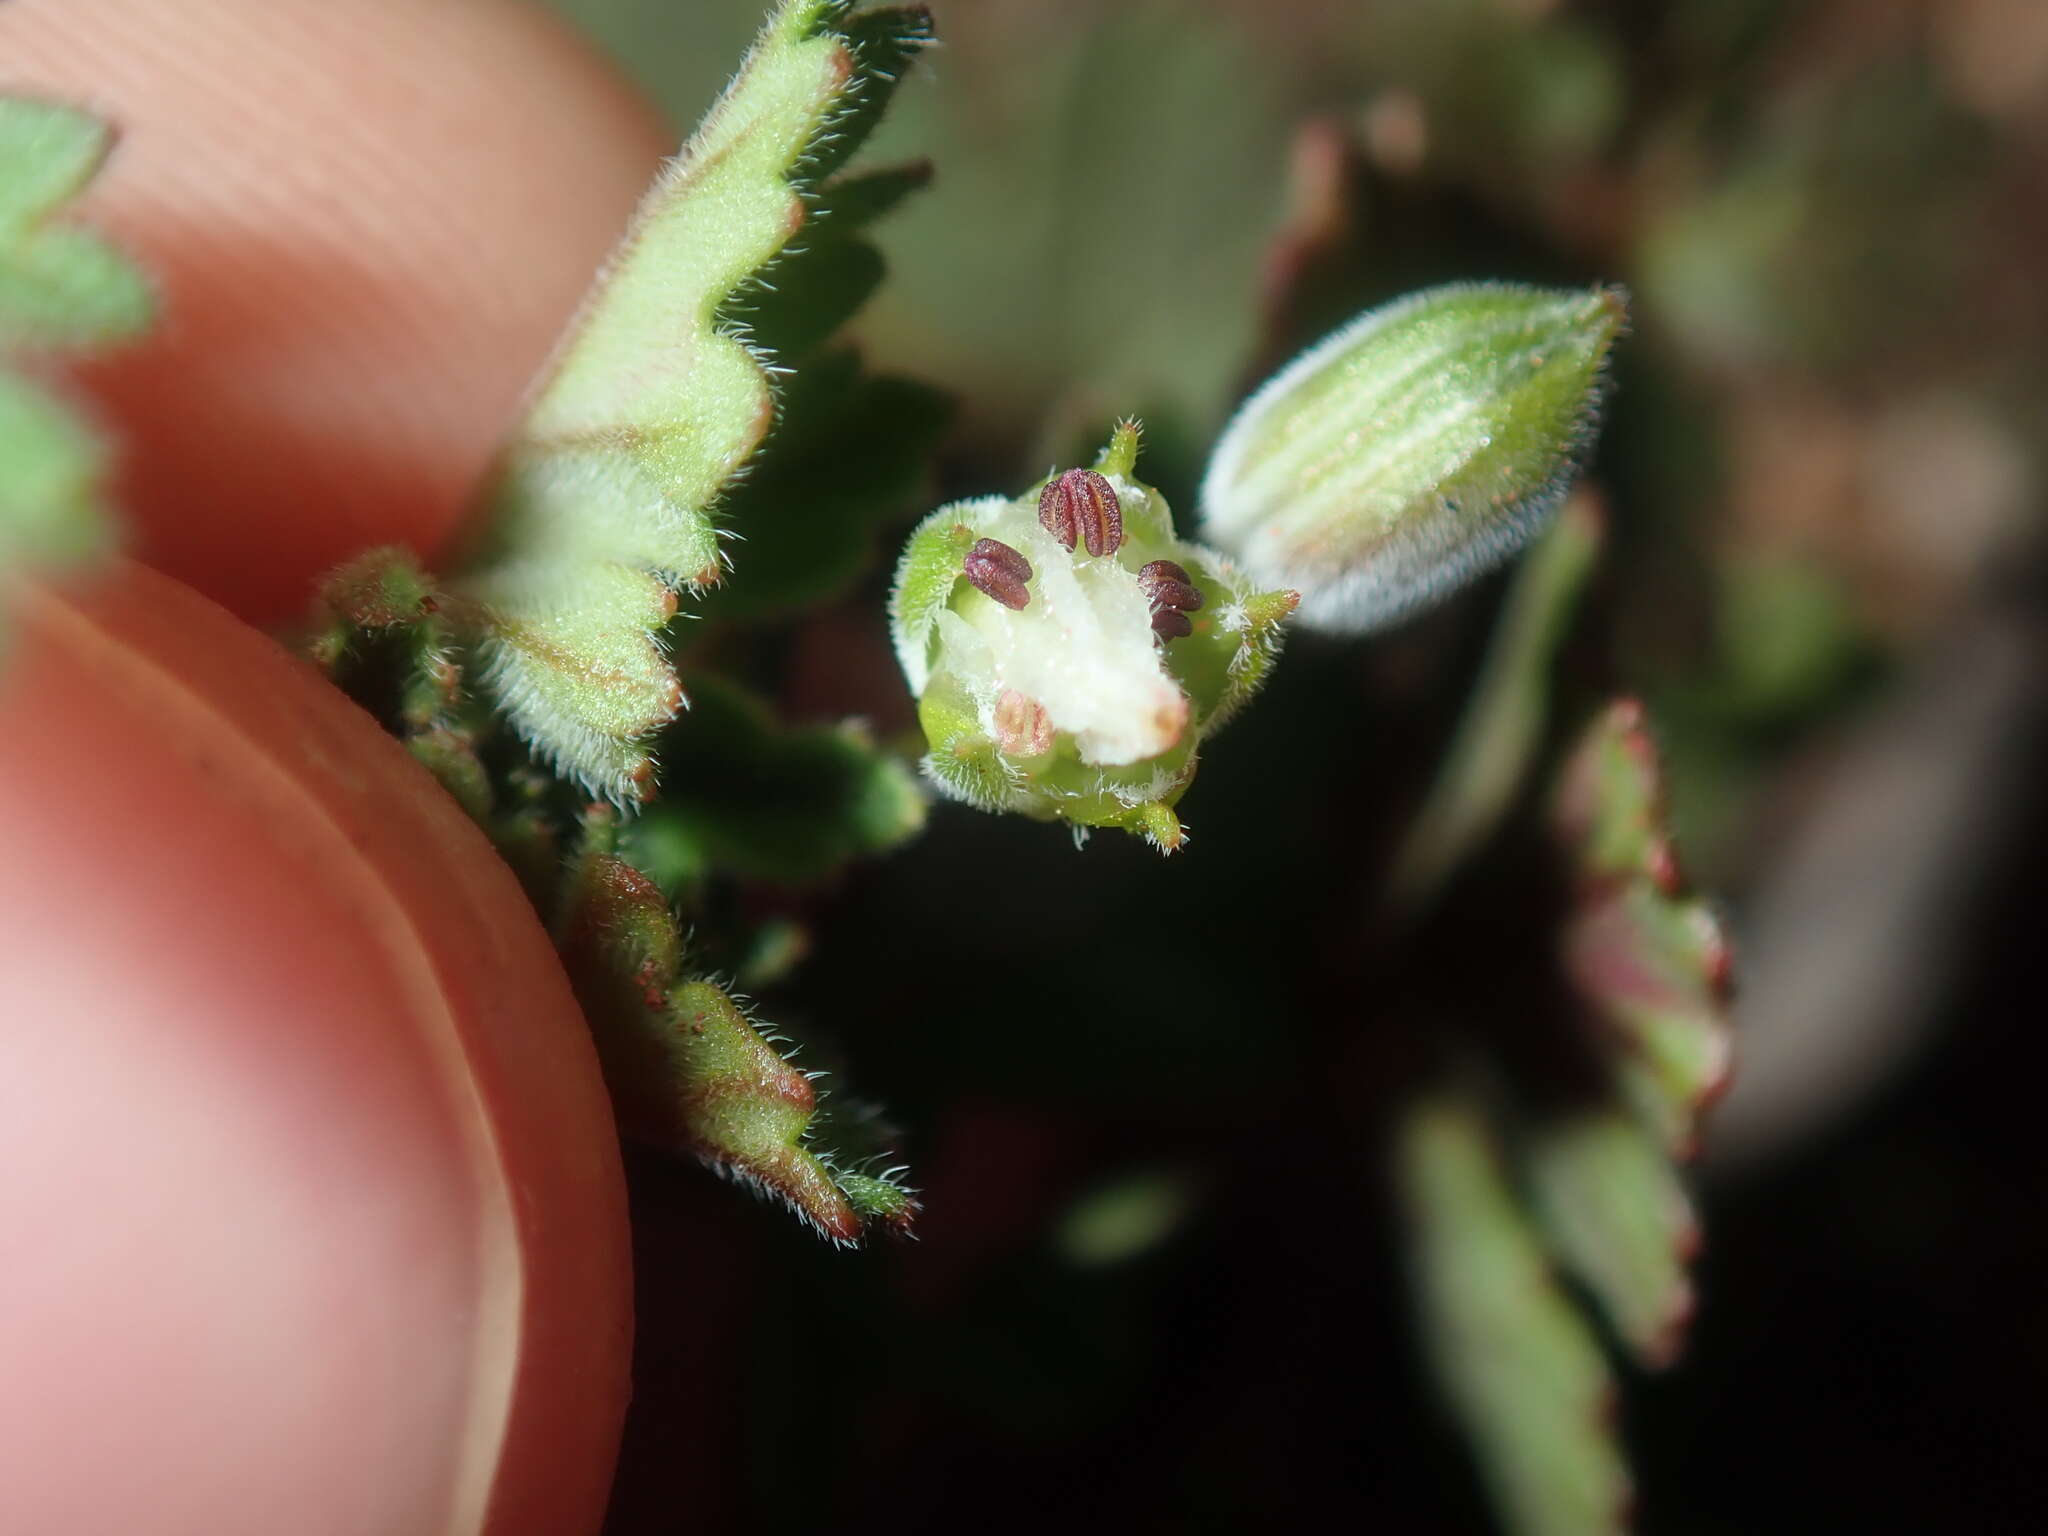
[[368, 223]]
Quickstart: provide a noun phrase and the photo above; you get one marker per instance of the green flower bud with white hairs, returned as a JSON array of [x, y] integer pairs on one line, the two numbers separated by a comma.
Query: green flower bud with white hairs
[[1414, 448], [1069, 654]]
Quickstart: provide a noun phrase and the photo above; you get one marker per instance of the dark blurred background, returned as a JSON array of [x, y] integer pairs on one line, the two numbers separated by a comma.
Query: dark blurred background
[[1158, 1289]]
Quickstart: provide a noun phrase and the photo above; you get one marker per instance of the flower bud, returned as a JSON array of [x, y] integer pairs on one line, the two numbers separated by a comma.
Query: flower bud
[[1069, 653], [1413, 449]]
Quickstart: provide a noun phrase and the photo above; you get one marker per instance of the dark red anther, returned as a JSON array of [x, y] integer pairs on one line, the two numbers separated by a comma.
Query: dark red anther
[[1166, 585], [1081, 506], [1172, 595], [999, 571]]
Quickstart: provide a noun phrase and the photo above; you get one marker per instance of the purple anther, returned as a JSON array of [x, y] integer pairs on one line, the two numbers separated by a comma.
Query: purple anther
[[1080, 506], [1166, 585], [1170, 624], [998, 571]]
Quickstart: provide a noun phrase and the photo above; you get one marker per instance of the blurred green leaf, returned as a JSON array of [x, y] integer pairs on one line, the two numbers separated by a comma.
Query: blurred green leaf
[[1508, 1347], [1607, 808], [1653, 968], [1076, 242], [1507, 709], [52, 470], [59, 286], [1125, 1217], [69, 288], [1615, 1211], [1649, 961], [744, 795], [849, 457], [1788, 247], [1789, 639], [48, 152]]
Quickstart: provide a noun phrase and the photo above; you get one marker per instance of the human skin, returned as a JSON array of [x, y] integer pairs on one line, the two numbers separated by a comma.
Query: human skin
[[368, 221], [313, 1219]]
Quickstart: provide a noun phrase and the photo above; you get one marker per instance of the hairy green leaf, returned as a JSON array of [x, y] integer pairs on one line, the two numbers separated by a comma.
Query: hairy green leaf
[[662, 395], [689, 1067]]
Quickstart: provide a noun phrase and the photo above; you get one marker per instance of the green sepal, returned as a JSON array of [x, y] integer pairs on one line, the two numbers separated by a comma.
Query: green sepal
[[926, 578]]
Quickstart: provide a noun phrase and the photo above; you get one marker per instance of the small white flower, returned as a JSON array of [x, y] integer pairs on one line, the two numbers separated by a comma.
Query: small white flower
[[1069, 652]]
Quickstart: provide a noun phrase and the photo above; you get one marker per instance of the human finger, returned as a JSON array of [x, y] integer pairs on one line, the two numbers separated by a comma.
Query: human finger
[[368, 222]]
